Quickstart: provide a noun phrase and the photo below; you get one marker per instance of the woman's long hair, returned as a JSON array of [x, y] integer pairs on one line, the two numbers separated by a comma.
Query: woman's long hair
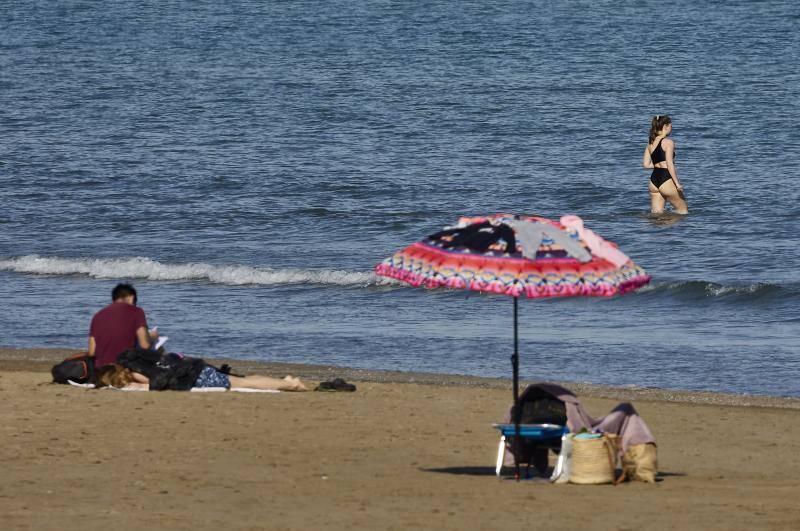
[[113, 376], [657, 124]]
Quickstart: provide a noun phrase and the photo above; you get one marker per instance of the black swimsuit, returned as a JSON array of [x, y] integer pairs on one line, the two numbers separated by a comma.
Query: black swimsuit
[[659, 175]]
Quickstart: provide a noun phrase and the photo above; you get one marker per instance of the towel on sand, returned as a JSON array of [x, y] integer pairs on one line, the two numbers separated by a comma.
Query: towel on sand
[[193, 389]]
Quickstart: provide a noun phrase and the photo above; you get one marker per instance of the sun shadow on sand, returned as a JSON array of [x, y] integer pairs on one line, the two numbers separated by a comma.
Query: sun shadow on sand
[[463, 470], [670, 475], [490, 471]]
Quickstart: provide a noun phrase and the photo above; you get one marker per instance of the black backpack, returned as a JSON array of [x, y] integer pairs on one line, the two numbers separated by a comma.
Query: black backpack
[[78, 368], [540, 407]]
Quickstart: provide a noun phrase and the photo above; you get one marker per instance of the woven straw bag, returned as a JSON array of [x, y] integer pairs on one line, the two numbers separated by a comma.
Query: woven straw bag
[[594, 461]]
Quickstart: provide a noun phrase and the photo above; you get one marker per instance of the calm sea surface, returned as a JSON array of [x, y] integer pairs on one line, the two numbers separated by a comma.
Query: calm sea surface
[[246, 164]]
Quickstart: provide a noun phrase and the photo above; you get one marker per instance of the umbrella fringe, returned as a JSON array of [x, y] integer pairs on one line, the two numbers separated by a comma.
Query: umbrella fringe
[[600, 288]]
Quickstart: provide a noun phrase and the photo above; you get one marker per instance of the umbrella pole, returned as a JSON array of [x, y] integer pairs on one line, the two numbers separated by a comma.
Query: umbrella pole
[[517, 412]]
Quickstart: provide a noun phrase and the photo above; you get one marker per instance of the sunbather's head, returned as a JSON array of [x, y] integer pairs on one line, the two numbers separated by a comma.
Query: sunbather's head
[[113, 376]]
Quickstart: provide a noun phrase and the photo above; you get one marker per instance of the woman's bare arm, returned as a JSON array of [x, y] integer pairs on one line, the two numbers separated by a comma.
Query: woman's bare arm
[[138, 381], [669, 152], [647, 162], [139, 378]]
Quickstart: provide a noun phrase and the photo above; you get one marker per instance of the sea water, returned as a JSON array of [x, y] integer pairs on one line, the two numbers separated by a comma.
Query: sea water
[[246, 164]]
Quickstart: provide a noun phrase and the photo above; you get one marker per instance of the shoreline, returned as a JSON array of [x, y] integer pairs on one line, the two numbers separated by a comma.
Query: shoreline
[[41, 359]]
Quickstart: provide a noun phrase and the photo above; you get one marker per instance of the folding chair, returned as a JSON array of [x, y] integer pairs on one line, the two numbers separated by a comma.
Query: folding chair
[[547, 434]]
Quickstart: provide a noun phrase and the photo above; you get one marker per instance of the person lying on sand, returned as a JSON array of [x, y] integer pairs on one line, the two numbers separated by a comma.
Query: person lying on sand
[[177, 372], [119, 377]]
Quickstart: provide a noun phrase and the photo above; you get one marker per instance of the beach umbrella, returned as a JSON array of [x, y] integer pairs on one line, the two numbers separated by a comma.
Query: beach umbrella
[[519, 256]]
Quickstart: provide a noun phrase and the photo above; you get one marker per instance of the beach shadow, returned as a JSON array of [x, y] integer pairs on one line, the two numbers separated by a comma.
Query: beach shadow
[[661, 476], [670, 474], [489, 471], [463, 470]]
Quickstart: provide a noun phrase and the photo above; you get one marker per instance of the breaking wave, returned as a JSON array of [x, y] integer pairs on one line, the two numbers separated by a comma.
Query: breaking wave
[[698, 289], [145, 268], [148, 269]]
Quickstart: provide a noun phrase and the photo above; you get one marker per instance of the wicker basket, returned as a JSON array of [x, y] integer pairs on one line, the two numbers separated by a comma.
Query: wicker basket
[[594, 461]]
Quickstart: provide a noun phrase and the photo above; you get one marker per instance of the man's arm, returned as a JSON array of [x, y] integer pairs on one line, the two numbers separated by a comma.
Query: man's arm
[[143, 337], [92, 346]]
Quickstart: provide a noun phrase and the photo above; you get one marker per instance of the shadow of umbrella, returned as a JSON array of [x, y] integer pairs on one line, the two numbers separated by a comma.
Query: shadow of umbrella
[[490, 471], [518, 256], [463, 470]]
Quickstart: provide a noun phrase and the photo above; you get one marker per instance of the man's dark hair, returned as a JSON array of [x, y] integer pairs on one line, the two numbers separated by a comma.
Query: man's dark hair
[[121, 291]]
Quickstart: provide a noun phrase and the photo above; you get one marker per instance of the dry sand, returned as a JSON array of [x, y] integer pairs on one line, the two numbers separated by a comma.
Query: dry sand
[[405, 451]]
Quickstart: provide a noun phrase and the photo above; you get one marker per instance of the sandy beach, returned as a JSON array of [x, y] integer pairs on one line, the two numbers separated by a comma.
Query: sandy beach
[[405, 451]]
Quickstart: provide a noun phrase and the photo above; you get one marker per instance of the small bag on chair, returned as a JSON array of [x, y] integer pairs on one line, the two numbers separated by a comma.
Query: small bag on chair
[[594, 459]]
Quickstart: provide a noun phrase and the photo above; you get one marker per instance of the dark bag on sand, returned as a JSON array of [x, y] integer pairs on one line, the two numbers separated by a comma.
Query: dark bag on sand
[[78, 368], [165, 371]]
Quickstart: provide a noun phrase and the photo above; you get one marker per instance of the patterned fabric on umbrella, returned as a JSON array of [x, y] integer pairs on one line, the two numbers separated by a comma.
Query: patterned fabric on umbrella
[[517, 255]]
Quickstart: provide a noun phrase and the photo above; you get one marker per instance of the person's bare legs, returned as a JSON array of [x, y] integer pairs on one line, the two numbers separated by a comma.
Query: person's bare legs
[[657, 202], [257, 381], [675, 198]]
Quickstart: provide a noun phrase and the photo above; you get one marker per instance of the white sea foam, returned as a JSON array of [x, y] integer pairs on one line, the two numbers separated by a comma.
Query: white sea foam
[[145, 268], [699, 288]]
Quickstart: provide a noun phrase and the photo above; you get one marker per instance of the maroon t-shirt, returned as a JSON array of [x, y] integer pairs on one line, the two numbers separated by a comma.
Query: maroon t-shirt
[[114, 331]]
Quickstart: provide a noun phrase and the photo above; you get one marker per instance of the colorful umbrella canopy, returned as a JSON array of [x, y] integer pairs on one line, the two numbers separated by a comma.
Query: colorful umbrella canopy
[[518, 256]]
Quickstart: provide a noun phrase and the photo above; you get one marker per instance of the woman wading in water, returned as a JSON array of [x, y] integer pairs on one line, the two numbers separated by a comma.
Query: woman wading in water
[[660, 155]]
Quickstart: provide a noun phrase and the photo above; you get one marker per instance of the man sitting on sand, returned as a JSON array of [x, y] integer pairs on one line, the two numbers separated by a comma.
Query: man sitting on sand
[[118, 327]]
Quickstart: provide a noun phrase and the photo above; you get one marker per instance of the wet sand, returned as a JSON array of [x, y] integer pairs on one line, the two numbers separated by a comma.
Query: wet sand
[[405, 451]]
